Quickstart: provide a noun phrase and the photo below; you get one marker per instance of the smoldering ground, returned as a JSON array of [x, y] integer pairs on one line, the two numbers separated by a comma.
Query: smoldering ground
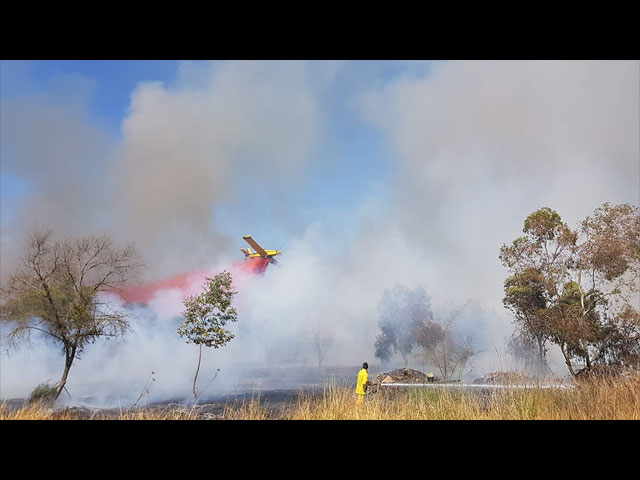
[[472, 149]]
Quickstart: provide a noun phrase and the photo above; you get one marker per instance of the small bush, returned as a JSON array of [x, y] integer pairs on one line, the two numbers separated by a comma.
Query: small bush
[[44, 393]]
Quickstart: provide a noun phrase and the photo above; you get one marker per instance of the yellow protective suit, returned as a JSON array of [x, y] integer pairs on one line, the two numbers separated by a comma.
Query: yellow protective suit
[[363, 377]]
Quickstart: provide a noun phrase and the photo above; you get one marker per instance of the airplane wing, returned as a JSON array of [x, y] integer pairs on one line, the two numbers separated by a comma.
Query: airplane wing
[[255, 245]]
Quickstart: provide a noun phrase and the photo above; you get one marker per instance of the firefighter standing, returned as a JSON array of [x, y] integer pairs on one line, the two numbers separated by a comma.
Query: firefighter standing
[[363, 381]]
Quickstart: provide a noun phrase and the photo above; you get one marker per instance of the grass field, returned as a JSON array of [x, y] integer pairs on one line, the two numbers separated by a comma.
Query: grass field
[[599, 399]]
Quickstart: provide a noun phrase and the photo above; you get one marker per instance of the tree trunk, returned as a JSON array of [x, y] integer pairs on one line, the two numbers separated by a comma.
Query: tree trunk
[[195, 379], [69, 356], [567, 361], [542, 362]]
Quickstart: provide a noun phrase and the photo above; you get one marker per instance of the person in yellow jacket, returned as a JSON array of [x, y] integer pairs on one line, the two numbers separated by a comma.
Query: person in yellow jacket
[[363, 381]]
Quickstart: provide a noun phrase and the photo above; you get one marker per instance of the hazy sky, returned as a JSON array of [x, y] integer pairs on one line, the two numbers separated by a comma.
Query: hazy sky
[[365, 173]]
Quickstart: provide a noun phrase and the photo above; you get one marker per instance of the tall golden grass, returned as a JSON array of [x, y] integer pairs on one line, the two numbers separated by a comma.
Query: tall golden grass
[[603, 400], [597, 399]]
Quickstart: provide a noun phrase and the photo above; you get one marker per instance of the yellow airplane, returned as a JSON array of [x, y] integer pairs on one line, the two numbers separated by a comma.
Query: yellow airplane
[[259, 251]]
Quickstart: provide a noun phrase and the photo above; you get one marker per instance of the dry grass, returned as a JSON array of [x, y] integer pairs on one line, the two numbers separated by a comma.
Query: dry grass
[[606, 399], [603, 399], [33, 411]]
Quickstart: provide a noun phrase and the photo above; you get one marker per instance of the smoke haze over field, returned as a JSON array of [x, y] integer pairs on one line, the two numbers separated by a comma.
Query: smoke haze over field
[[366, 174]]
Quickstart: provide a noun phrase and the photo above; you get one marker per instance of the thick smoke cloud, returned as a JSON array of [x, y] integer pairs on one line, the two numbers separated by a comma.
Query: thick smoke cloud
[[483, 144], [476, 147], [184, 148]]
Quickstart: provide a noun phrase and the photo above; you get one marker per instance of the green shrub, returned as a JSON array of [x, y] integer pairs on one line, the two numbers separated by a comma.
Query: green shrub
[[43, 393]]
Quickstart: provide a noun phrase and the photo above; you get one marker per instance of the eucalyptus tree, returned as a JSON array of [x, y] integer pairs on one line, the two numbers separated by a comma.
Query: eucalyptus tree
[[577, 288], [596, 316], [538, 263]]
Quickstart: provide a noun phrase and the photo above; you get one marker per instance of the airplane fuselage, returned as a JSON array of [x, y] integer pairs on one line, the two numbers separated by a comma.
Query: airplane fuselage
[[270, 253]]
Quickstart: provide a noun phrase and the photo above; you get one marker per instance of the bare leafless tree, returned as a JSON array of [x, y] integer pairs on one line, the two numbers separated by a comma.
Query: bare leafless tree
[[54, 291], [322, 341], [446, 352]]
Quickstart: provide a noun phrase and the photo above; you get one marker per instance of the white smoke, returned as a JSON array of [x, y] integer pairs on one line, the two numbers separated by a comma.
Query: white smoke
[[483, 144]]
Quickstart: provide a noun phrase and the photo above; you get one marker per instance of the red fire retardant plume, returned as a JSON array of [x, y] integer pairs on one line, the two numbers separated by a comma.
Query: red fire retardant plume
[[189, 283]]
